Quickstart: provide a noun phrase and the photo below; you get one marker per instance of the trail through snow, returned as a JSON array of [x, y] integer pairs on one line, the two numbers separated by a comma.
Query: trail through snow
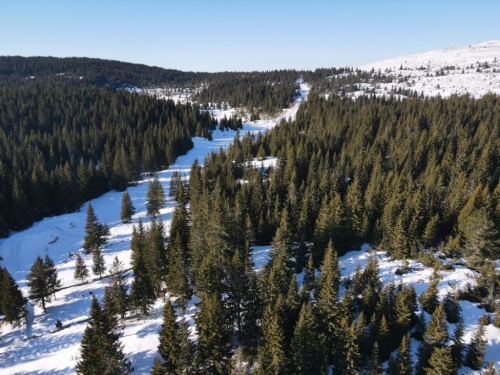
[[39, 348]]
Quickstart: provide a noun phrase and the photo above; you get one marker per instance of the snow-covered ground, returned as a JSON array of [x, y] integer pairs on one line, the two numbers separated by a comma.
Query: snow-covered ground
[[37, 348], [473, 69]]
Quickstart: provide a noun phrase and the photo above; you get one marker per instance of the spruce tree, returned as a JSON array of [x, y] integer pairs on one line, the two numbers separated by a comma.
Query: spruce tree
[[156, 197], [177, 277], [128, 209], [142, 294], [474, 357], [214, 343], [12, 302], [99, 264], [309, 282], [157, 368], [305, 347], [94, 231], [118, 288], [440, 362], [457, 348], [373, 366], [37, 283], [273, 353], [452, 308], [491, 369], [169, 347], [429, 298], [496, 321], [42, 281], [53, 283], [436, 336], [100, 350], [81, 271], [186, 348], [403, 360]]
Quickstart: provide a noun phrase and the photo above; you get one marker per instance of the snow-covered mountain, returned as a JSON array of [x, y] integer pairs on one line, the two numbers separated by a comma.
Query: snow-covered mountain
[[474, 69]]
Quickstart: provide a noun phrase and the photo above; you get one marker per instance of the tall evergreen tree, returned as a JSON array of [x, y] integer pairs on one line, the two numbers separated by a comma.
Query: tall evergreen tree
[[273, 354], [305, 346], [42, 280], [128, 209], [94, 231], [100, 350], [214, 345], [402, 363], [81, 271], [118, 288], [436, 336], [474, 357], [169, 341], [12, 302], [156, 197], [99, 264]]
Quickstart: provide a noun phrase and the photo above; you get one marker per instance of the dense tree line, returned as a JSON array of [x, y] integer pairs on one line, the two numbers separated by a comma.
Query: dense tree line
[[60, 147], [267, 92], [406, 175], [16, 71]]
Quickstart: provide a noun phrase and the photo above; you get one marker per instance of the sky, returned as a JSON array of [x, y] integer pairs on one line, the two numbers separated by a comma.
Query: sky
[[241, 35]]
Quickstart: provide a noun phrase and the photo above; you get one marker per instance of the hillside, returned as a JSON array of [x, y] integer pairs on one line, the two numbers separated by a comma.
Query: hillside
[[398, 189], [473, 69]]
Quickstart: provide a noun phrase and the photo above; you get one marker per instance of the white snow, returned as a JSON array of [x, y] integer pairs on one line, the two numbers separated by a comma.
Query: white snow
[[456, 63], [37, 348]]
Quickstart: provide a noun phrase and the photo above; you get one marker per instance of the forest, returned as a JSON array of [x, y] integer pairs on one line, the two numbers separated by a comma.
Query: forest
[[62, 146], [417, 178]]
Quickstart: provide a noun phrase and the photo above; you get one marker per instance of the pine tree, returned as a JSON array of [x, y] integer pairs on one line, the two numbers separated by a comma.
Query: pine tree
[[128, 208], [94, 231], [43, 281], [81, 271], [186, 348], [452, 308], [99, 264], [429, 298], [305, 346], [214, 344], [491, 369], [403, 361], [156, 197], [169, 340], [440, 362], [496, 321], [142, 294], [157, 368], [309, 281], [118, 288], [100, 350], [474, 357], [457, 347], [12, 302], [436, 336], [373, 366], [273, 354]]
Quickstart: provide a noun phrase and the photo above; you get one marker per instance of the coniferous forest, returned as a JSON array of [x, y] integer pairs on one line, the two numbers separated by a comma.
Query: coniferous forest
[[418, 178]]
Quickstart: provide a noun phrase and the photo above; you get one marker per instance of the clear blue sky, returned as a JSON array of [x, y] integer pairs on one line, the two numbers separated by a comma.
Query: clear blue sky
[[243, 35]]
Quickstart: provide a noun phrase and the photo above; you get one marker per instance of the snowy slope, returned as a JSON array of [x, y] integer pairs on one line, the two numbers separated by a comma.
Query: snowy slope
[[473, 69], [36, 348]]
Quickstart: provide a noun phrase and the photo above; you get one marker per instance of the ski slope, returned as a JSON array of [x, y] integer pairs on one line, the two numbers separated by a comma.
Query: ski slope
[[36, 347]]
